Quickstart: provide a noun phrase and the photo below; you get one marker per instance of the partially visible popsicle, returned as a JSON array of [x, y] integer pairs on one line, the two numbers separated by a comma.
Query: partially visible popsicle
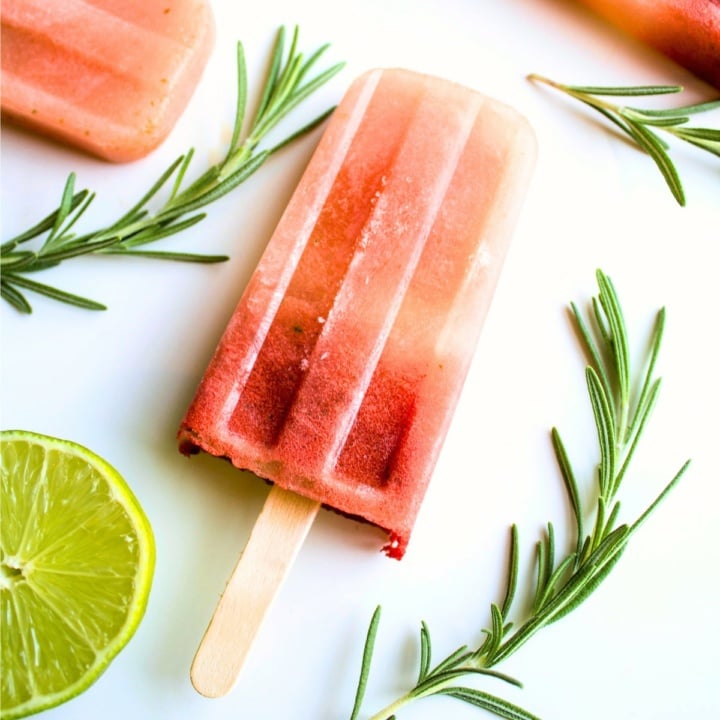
[[109, 76], [339, 371], [688, 31]]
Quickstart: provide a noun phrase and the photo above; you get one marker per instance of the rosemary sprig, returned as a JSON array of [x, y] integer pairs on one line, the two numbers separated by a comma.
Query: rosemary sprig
[[288, 82], [621, 407], [642, 126]]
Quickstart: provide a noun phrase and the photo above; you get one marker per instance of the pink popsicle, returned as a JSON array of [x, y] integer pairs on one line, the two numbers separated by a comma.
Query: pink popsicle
[[339, 371], [109, 76]]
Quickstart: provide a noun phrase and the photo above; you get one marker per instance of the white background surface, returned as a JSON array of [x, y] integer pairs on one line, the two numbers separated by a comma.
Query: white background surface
[[646, 644]]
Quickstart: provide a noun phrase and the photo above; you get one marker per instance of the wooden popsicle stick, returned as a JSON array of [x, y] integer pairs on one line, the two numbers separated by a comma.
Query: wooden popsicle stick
[[274, 542]]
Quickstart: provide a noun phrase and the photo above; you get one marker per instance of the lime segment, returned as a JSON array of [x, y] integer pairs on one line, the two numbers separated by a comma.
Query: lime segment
[[76, 563]]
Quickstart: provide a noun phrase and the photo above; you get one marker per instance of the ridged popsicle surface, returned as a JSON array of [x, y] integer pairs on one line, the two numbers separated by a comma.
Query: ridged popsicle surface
[[339, 371]]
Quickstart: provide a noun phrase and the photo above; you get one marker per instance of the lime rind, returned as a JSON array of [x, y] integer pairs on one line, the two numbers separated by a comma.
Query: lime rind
[[76, 647]]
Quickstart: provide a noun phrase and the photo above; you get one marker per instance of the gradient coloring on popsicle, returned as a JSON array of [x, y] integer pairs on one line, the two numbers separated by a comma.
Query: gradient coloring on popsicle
[[339, 371], [108, 76]]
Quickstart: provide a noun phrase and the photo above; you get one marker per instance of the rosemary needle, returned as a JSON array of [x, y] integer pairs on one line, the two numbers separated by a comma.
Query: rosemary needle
[[621, 407], [288, 83], [644, 125]]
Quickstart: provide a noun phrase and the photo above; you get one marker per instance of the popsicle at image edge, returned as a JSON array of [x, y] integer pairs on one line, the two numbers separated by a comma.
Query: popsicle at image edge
[[688, 31], [110, 77]]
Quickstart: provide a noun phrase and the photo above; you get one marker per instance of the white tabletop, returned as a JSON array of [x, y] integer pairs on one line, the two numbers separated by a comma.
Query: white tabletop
[[646, 644]]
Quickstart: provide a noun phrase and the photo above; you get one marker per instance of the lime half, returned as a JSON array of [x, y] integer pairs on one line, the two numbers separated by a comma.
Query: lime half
[[76, 563]]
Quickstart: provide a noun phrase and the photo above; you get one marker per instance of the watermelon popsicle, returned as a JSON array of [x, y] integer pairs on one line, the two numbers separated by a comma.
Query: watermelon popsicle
[[108, 76], [339, 371]]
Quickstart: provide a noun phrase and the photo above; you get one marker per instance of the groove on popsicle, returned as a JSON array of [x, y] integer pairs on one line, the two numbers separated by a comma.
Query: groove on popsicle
[[269, 285], [415, 386], [369, 299], [278, 368]]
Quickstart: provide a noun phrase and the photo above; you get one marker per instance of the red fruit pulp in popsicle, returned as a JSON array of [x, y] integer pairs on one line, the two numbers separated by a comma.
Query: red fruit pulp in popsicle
[[340, 369], [108, 76]]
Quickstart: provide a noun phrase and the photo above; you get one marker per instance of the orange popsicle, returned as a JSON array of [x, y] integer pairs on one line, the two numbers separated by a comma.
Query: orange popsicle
[[688, 31], [339, 371], [109, 76]]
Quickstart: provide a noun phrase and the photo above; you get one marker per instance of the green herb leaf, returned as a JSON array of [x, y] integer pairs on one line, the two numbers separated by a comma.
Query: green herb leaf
[[366, 662], [14, 281], [491, 703], [512, 574], [425, 653]]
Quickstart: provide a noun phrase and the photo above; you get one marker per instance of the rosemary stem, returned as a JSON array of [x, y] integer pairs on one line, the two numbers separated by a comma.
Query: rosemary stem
[[390, 710], [560, 586], [393, 707], [235, 160], [588, 99], [644, 126]]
